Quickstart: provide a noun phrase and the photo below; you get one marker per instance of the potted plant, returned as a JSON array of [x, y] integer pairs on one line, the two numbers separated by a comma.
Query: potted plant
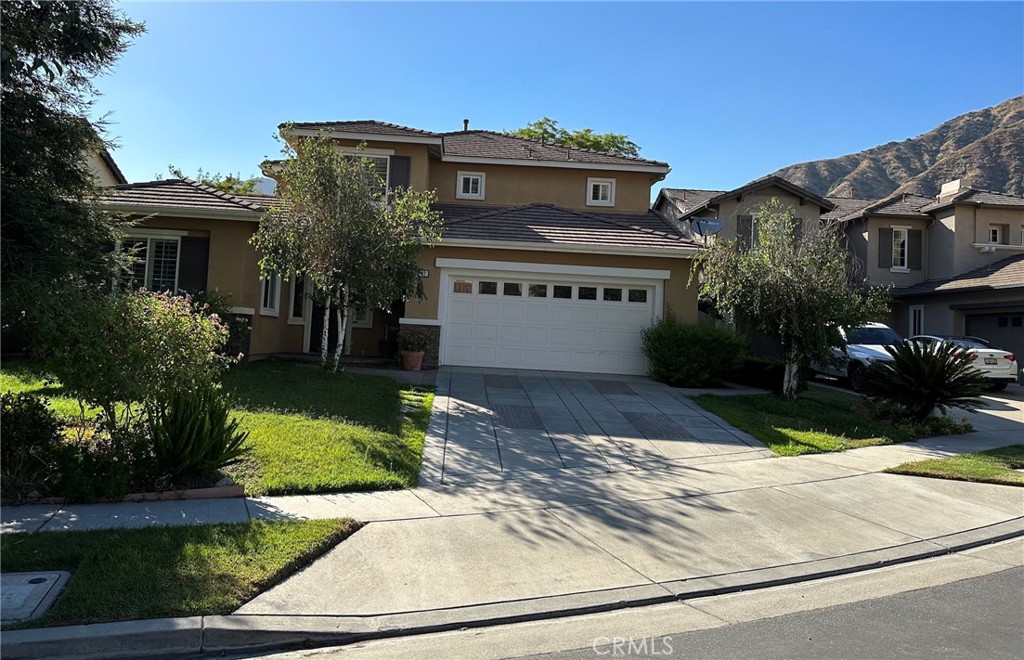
[[412, 343]]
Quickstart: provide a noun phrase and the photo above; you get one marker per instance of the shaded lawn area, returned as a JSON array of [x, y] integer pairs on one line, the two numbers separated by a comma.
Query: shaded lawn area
[[995, 466], [120, 575], [817, 421], [310, 430]]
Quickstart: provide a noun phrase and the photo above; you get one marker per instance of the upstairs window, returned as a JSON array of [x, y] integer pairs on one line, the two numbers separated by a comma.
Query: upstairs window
[[470, 185], [995, 234], [379, 161], [600, 192], [899, 247]]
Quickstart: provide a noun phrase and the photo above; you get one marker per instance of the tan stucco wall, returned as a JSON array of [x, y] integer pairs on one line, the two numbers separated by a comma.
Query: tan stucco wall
[[234, 272], [419, 157], [512, 184], [100, 170], [682, 299], [729, 210], [878, 275]]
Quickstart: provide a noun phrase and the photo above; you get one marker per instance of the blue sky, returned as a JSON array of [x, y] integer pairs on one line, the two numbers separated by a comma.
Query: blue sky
[[724, 92]]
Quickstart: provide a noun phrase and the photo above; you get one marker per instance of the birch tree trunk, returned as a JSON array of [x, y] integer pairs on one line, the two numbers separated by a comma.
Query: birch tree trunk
[[324, 334], [342, 327]]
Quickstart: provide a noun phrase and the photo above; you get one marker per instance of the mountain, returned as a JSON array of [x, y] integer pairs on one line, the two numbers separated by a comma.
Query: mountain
[[984, 147]]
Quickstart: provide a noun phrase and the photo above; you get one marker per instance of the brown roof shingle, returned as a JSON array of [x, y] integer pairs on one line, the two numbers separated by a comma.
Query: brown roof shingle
[[1003, 274], [977, 197], [367, 126], [901, 205], [552, 225], [845, 206], [488, 144], [178, 194]]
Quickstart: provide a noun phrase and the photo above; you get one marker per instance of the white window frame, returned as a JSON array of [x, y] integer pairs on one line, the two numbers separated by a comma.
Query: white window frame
[[905, 266], [591, 182], [386, 154], [361, 318], [997, 231], [916, 310], [149, 235], [462, 176], [294, 320], [275, 308]]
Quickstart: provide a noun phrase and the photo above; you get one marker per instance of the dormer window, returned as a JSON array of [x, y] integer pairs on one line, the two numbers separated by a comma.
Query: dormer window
[[600, 192], [470, 185]]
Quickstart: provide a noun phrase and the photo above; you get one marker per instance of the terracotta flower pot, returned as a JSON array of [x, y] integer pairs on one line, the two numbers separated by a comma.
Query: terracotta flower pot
[[412, 360]]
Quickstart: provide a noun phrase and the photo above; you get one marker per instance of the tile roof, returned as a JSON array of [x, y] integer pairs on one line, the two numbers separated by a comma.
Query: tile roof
[[1003, 274], [488, 144], [689, 199], [552, 225], [845, 206], [368, 126], [900, 204], [978, 197], [178, 194], [694, 201]]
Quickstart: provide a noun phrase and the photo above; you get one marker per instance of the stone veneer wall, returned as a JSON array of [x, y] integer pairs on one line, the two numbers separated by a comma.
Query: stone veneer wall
[[433, 334]]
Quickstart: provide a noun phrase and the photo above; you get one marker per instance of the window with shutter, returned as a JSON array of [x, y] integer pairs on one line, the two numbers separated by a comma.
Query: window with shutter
[[745, 230], [155, 266]]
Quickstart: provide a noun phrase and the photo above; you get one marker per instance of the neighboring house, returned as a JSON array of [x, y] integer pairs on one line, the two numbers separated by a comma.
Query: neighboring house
[[954, 261], [550, 258], [104, 168]]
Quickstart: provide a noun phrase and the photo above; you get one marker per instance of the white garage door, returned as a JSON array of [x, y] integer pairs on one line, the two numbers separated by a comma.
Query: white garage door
[[535, 321]]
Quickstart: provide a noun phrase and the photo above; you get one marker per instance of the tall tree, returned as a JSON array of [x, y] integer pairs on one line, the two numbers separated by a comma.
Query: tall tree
[[51, 234], [546, 129], [231, 183], [337, 224], [796, 286]]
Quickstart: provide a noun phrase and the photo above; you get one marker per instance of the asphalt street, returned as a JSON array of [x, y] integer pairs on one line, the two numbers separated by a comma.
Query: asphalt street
[[973, 619]]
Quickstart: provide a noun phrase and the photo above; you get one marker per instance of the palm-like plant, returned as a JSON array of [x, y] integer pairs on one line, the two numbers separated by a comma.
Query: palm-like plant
[[921, 379]]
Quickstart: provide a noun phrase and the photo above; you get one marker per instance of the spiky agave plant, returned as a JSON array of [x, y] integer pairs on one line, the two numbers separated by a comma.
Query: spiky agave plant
[[922, 379]]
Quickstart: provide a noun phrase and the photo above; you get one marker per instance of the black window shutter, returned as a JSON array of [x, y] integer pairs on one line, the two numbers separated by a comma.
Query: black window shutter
[[193, 264], [914, 249], [885, 248], [744, 229], [798, 229], [399, 176]]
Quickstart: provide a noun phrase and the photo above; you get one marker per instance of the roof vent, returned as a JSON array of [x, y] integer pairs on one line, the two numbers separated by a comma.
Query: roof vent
[[465, 124]]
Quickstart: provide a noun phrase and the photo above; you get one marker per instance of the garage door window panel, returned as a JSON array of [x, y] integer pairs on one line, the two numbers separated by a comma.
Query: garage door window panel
[[488, 288], [638, 295], [512, 289], [462, 286], [538, 290], [612, 295], [587, 293], [561, 292]]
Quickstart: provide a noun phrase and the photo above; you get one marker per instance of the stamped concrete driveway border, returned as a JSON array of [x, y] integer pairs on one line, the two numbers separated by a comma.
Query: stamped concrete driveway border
[[500, 423]]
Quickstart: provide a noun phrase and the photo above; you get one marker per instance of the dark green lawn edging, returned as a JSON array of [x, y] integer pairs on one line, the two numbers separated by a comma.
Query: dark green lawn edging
[[156, 572], [817, 421], [994, 466], [310, 430], [314, 431]]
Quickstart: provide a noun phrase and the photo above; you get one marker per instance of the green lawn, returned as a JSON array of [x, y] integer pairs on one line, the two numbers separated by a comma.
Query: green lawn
[[119, 575], [995, 466], [817, 421], [309, 430]]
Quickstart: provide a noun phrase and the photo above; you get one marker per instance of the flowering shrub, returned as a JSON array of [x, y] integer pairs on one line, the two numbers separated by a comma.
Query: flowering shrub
[[31, 438]]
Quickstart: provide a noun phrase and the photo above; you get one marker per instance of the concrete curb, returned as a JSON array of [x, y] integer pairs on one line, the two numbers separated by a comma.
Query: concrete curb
[[254, 632]]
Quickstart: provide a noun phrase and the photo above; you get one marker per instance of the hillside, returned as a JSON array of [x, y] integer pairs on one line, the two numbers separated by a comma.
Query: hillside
[[986, 147]]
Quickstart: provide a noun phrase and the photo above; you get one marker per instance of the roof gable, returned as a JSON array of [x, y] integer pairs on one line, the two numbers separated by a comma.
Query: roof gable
[[692, 201], [181, 195], [977, 197]]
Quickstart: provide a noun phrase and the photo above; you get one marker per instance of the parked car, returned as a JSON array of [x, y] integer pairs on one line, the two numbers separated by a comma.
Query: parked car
[[864, 345], [998, 367]]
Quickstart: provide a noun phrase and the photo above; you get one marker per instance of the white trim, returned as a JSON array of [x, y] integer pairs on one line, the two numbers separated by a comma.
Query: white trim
[[998, 229], [687, 252], [245, 311], [553, 269], [276, 309], [905, 266], [607, 167], [991, 247], [145, 232], [910, 324], [349, 151], [198, 214], [364, 137], [415, 321], [458, 185], [600, 181]]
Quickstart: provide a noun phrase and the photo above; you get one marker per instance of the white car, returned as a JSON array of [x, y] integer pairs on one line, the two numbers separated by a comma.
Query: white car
[[864, 345], [998, 367]]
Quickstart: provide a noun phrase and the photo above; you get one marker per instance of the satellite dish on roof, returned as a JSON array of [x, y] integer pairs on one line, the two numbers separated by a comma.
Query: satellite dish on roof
[[706, 226]]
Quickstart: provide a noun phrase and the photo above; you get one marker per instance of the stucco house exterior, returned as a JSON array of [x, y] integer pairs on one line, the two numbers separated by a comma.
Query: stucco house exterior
[[550, 256]]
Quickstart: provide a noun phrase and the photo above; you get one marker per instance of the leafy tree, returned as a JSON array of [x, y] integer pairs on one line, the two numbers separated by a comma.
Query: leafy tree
[[797, 287], [51, 235], [546, 129], [231, 183], [335, 223]]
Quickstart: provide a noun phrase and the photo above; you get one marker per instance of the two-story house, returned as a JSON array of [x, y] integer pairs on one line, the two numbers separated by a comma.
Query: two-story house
[[550, 256], [955, 261]]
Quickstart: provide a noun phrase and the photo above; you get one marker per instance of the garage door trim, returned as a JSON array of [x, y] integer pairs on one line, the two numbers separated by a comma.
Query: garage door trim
[[553, 269]]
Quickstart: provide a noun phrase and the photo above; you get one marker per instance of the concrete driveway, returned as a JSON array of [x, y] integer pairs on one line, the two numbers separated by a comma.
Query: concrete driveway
[[500, 423]]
